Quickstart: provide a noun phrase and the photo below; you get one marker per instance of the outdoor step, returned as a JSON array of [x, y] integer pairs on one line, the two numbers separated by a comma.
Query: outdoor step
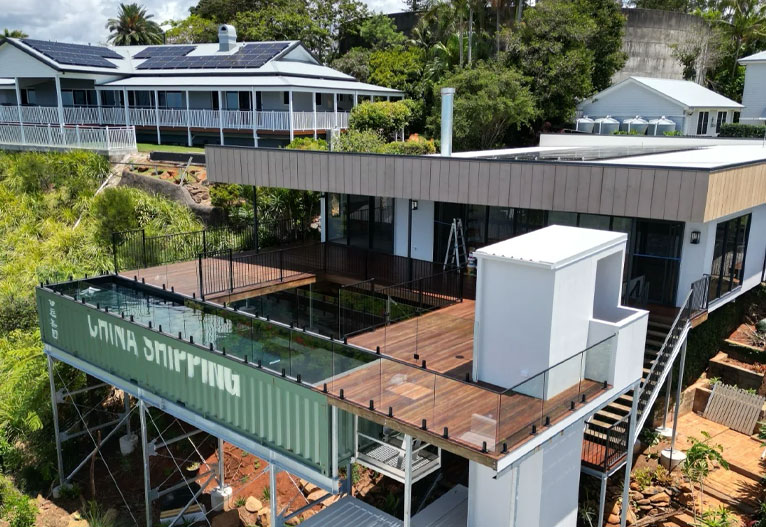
[[658, 334], [596, 420], [611, 413], [624, 409]]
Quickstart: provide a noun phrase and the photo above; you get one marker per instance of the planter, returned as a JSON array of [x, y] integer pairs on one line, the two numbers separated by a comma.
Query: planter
[[734, 374]]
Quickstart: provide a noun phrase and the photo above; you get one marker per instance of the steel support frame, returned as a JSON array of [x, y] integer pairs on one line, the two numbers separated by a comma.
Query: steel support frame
[[629, 455]]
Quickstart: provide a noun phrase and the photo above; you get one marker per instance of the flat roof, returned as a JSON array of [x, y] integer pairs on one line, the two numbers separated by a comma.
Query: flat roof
[[554, 246], [351, 511], [708, 157]]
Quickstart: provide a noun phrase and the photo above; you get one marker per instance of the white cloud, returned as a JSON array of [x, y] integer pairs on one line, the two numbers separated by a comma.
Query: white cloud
[[84, 20]]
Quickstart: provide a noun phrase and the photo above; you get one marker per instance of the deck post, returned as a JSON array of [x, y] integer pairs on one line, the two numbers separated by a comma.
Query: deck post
[[100, 111], [291, 116], [126, 405], [157, 115], [356, 99], [668, 389], [407, 479], [314, 105], [201, 281], [125, 106], [145, 456], [273, 494], [220, 115], [602, 500], [55, 412], [629, 454], [59, 101], [335, 108], [255, 218], [254, 106], [679, 387], [18, 108], [221, 468], [231, 270], [188, 121]]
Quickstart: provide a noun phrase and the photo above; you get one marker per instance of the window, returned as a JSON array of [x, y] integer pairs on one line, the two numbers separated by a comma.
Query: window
[[28, 97], [735, 119], [702, 123], [286, 97], [141, 99], [335, 205], [318, 99], [232, 100], [728, 266], [562, 218], [111, 98], [258, 102], [171, 99], [244, 101], [721, 119]]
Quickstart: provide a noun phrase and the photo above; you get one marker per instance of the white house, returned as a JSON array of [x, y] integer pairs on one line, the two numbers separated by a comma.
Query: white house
[[225, 93], [694, 109], [753, 95]]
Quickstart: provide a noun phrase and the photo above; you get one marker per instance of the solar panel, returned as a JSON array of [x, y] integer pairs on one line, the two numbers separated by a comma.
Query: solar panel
[[252, 55], [164, 51], [75, 54]]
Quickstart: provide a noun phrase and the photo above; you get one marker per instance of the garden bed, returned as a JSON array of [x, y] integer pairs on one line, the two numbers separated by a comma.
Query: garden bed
[[738, 371]]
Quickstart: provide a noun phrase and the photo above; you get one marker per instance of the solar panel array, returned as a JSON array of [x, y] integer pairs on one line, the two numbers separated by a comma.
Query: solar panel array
[[249, 56], [164, 51], [75, 54]]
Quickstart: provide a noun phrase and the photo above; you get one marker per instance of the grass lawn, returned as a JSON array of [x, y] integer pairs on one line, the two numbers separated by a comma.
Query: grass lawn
[[149, 147]]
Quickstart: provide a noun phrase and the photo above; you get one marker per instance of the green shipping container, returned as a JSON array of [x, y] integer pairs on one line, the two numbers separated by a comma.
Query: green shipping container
[[282, 415]]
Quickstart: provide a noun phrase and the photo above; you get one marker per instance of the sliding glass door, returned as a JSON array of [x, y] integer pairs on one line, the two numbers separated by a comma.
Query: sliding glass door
[[728, 266]]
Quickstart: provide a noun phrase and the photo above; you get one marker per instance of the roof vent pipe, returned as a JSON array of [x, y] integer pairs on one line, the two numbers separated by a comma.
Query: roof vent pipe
[[448, 94], [227, 37]]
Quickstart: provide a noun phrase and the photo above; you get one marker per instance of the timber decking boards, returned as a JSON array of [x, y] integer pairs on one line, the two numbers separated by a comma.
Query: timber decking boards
[[184, 278], [443, 338]]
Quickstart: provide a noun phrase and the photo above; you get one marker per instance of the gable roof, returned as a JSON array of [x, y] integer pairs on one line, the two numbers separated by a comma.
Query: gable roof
[[687, 93], [754, 58]]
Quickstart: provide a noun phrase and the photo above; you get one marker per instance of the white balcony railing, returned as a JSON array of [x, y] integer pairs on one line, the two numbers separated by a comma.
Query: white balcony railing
[[177, 118], [102, 139]]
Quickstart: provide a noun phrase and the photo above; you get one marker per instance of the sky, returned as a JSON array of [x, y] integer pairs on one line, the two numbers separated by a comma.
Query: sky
[[83, 20]]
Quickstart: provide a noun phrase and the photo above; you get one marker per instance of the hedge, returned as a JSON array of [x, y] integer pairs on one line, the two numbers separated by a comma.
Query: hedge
[[741, 130]]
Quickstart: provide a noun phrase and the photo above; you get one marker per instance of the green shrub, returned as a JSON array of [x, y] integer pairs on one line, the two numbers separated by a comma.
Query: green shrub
[[384, 118], [359, 141], [741, 130], [114, 210], [412, 147], [15, 508], [307, 143]]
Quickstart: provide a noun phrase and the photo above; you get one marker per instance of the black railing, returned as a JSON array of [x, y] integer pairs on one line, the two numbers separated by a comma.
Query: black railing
[[135, 250], [700, 291], [366, 305], [604, 447]]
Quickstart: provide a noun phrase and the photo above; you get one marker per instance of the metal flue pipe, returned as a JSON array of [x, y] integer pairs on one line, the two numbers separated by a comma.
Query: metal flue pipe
[[448, 95]]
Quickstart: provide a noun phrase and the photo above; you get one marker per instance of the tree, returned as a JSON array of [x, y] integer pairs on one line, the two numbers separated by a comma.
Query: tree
[[133, 27], [746, 25], [550, 47], [356, 62], [192, 30], [665, 5], [606, 43], [699, 460], [491, 102], [13, 33], [379, 32]]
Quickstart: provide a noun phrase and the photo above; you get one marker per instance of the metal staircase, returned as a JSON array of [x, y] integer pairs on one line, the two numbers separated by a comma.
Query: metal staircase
[[606, 433]]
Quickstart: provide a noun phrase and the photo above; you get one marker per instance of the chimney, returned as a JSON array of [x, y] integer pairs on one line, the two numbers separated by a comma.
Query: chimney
[[227, 37], [448, 94]]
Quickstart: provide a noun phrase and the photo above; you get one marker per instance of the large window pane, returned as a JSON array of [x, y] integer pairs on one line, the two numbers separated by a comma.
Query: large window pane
[[562, 218], [336, 218], [383, 225], [359, 221], [500, 224], [727, 268], [594, 221]]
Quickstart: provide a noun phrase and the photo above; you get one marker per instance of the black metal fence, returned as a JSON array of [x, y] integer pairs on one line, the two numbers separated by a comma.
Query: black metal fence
[[604, 447]]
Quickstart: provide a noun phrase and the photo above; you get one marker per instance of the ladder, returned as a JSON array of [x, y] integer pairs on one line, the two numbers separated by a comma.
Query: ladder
[[457, 254]]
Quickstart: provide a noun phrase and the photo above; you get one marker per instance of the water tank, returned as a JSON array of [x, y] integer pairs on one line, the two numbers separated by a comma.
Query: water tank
[[606, 125], [635, 125], [660, 126], [585, 125]]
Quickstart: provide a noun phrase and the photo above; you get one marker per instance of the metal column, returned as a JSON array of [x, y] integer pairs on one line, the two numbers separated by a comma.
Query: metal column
[[273, 494], [314, 106], [157, 115], [145, 454], [221, 468], [55, 412], [602, 500], [254, 106], [629, 454], [100, 111], [335, 107], [125, 105], [407, 480], [668, 389], [678, 400], [290, 114], [188, 120]]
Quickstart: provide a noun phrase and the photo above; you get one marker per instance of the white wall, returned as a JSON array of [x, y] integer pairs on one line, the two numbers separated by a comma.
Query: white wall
[[696, 260], [631, 99], [401, 226], [754, 94], [16, 63], [541, 490]]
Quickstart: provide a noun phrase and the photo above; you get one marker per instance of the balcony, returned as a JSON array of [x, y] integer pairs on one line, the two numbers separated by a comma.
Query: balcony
[[266, 120]]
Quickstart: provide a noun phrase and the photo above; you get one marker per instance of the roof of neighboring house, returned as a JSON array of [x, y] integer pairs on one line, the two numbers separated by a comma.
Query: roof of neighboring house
[[7, 83], [351, 511], [756, 57], [282, 63], [687, 93]]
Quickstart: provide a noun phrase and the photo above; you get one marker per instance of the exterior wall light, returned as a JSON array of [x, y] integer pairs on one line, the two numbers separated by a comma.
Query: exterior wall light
[[414, 204], [695, 238]]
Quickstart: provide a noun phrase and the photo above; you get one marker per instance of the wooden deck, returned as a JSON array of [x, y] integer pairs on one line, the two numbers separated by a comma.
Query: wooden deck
[[443, 338], [183, 277]]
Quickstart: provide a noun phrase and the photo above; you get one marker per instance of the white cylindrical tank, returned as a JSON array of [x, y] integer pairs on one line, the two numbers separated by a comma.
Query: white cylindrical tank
[[660, 126], [635, 125], [585, 125], [606, 125]]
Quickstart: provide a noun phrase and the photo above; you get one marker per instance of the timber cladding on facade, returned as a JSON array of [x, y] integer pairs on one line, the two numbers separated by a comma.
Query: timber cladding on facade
[[690, 195]]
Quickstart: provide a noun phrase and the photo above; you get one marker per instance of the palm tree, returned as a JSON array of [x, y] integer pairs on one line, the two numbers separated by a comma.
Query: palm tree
[[13, 33], [133, 26], [746, 25]]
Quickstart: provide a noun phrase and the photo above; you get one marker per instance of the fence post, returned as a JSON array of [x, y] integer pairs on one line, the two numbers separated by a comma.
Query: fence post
[[281, 265], [606, 447], [201, 281], [77, 134], [114, 251], [204, 241], [108, 143], [461, 281], [143, 247], [231, 271]]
